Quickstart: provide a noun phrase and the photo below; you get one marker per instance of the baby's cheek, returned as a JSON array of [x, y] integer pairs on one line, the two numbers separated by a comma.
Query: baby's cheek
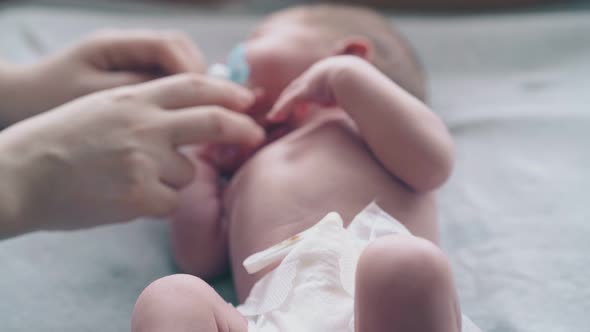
[[271, 72]]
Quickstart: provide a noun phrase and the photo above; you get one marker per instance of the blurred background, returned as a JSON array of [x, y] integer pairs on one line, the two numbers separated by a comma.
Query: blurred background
[[511, 79]]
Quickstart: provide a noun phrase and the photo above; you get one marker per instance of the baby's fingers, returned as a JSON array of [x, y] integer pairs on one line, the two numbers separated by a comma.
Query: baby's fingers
[[285, 105]]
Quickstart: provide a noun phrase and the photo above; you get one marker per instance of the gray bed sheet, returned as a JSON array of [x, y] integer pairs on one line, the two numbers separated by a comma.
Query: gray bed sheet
[[514, 90]]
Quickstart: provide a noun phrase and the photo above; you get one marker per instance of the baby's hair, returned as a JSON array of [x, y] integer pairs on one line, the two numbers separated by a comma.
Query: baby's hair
[[393, 54]]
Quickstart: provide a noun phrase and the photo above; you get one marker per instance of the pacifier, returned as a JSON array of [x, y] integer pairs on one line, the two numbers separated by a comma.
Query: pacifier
[[236, 68]]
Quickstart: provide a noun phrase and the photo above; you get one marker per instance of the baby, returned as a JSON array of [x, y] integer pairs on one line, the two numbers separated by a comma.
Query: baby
[[345, 92]]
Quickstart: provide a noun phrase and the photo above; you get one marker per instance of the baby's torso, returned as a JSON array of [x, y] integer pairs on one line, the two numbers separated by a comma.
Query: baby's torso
[[292, 183]]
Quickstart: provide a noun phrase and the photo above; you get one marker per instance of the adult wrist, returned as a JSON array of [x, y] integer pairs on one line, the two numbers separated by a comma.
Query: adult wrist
[[16, 93], [12, 195]]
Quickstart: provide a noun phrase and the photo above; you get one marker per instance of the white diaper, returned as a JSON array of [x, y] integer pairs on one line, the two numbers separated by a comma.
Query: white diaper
[[312, 290]]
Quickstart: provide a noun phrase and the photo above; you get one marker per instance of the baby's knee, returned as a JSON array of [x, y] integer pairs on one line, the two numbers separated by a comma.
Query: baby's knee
[[403, 265], [171, 298], [174, 285]]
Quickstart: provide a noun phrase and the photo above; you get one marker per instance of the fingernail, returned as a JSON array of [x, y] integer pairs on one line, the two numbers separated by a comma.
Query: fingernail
[[258, 92], [246, 98]]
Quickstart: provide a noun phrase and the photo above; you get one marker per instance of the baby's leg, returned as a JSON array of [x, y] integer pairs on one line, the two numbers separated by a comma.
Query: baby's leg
[[199, 238], [404, 284], [183, 303]]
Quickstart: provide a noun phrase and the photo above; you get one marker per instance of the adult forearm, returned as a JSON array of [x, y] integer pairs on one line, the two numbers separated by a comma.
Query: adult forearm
[[450, 4], [12, 205], [10, 80], [22, 94]]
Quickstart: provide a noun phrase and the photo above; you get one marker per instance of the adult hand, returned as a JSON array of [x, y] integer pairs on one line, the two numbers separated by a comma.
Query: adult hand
[[112, 156], [102, 61]]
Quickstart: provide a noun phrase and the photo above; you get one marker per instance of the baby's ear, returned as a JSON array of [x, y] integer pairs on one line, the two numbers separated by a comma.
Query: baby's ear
[[355, 45]]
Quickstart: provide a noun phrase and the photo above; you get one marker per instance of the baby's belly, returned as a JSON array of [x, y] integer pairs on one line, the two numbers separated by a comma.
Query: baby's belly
[[293, 183]]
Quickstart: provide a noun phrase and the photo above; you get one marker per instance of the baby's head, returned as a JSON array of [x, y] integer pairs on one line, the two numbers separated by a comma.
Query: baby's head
[[290, 41]]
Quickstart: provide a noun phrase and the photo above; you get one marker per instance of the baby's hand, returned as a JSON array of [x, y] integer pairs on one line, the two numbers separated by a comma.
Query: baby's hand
[[314, 86]]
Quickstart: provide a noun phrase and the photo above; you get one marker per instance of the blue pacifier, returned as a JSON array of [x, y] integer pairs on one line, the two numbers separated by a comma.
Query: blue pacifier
[[236, 70]]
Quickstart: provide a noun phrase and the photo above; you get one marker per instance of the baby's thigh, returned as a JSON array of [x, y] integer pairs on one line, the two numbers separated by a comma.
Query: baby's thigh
[[184, 303], [404, 283], [201, 199], [199, 239]]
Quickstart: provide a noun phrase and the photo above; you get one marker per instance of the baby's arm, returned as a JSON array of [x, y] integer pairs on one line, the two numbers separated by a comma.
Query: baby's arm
[[408, 139], [199, 238]]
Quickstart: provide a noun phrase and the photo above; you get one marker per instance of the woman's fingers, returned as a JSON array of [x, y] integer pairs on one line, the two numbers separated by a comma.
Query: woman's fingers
[[189, 90], [213, 124]]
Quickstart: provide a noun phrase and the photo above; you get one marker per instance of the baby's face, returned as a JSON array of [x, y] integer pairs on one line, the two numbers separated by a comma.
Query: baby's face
[[280, 50]]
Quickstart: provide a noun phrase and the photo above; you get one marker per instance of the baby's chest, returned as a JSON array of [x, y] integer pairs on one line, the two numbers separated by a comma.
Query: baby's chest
[[316, 168]]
